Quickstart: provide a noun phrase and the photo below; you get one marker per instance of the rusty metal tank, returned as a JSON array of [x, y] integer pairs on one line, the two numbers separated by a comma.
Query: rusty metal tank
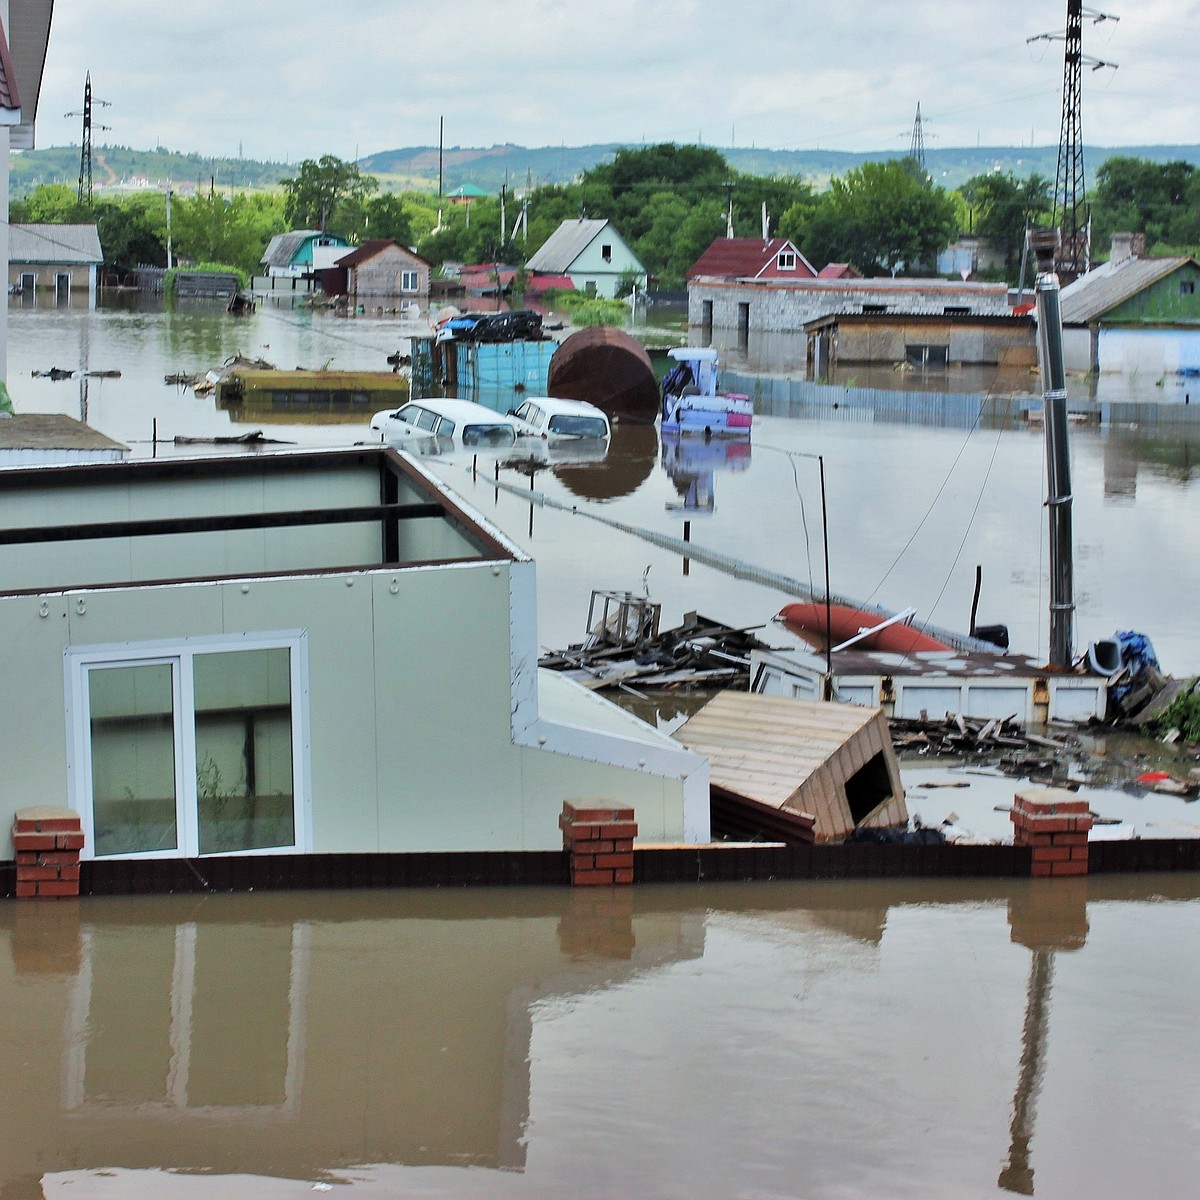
[[609, 369]]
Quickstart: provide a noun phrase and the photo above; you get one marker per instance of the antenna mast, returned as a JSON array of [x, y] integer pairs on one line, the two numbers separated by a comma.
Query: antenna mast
[[1070, 196]]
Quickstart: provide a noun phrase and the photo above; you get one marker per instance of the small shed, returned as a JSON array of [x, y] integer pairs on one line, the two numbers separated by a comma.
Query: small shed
[[798, 770], [39, 439], [58, 258]]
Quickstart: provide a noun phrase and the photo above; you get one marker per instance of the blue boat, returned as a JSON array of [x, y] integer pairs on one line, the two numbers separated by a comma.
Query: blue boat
[[692, 404]]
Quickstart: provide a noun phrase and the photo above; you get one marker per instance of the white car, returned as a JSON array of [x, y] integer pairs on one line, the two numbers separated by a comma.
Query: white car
[[432, 426], [553, 418]]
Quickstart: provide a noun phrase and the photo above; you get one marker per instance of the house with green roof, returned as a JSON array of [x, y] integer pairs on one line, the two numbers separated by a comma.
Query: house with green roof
[[1134, 314]]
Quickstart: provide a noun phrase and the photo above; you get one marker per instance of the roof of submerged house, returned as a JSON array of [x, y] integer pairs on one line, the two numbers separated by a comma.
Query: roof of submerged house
[[1114, 282], [565, 245], [747, 258], [46, 243], [373, 246]]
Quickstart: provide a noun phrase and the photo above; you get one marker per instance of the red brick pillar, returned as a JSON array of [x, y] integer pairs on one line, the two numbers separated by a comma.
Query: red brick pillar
[[600, 842], [47, 841], [1056, 824]]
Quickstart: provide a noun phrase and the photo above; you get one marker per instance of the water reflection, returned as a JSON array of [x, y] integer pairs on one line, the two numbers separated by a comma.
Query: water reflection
[[691, 463], [592, 470], [835, 1039]]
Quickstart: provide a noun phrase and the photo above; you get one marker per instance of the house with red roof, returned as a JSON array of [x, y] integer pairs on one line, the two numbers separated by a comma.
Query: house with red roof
[[752, 258]]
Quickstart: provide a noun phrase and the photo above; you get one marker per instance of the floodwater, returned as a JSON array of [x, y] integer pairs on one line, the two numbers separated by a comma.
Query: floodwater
[[956, 1039], [877, 1038], [912, 509]]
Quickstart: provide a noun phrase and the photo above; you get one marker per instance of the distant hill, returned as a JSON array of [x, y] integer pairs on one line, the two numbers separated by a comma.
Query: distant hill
[[489, 167], [113, 166]]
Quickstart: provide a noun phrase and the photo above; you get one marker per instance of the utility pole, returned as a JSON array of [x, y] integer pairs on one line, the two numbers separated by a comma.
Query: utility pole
[[1070, 196], [441, 146], [85, 149]]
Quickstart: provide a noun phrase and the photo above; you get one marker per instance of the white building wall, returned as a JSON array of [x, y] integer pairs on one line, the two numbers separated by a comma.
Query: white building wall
[[412, 704], [1149, 351]]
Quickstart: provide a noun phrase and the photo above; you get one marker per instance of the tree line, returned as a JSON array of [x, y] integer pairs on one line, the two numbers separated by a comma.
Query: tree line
[[669, 202]]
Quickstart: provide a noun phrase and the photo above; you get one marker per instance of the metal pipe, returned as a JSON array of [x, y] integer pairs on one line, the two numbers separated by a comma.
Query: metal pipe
[[1058, 464]]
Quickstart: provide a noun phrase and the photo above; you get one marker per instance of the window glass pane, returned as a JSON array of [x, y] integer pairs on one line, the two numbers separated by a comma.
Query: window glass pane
[[133, 758], [243, 713]]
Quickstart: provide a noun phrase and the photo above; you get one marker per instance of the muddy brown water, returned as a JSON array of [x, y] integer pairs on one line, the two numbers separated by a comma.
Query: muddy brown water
[[832, 1040], [816, 1040]]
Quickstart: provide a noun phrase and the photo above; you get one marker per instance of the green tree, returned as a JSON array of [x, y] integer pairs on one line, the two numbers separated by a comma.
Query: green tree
[[329, 194], [52, 204], [1000, 207], [388, 217], [133, 232], [1139, 196], [881, 216], [233, 230]]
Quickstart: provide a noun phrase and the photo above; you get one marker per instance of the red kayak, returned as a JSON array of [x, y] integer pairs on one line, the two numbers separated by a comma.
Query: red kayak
[[846, 622]]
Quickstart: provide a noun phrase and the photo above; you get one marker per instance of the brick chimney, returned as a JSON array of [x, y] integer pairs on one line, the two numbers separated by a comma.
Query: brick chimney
[[1128, 245]]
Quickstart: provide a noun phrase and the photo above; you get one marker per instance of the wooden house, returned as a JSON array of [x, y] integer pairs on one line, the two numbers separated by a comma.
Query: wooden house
[[381, 270], [1133, 313]]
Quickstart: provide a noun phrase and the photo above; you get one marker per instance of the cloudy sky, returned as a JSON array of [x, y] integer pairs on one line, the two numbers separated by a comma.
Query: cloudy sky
[[293, 79]]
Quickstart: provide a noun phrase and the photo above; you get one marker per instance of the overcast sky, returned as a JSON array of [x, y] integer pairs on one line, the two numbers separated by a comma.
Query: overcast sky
[[293, 79]]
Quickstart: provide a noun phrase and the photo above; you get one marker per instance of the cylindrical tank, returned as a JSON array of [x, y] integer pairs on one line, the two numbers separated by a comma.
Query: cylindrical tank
[[607, 368]]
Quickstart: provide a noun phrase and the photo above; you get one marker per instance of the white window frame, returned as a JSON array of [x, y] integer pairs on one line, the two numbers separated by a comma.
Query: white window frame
[[410, 281], [786, 260], [180, 653]]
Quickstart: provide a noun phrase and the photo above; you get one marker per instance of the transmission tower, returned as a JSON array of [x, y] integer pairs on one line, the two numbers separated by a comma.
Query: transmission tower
[[1070, 196], [916, 148], [85, 151]]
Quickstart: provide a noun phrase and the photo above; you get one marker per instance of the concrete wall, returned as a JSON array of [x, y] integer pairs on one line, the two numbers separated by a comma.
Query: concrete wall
[[787, 307], [886, 341]]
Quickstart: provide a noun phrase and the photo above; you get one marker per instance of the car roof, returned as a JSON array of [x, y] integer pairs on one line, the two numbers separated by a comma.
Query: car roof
[[462, 410], [553, 404]]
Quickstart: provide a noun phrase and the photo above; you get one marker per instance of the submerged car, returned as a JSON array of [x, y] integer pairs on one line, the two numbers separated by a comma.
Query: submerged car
[[433, 426], [556, 418]]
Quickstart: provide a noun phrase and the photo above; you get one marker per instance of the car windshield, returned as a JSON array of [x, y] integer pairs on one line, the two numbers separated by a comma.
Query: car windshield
[[488, 435], [572, 425]]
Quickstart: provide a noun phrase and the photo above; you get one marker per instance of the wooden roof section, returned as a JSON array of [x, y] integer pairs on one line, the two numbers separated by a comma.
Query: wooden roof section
[[830, 763], [51, 431]]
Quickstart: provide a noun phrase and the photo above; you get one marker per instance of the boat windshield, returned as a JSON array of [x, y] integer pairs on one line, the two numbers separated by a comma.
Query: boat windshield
[[488, 435], [572, 425]]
